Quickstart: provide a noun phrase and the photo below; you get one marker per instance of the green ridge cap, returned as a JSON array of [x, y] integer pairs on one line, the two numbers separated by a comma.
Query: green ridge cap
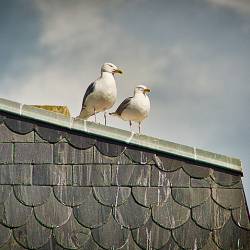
[[120, 135]]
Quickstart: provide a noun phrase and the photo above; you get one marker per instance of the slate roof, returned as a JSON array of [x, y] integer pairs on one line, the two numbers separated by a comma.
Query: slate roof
[[67, 189]]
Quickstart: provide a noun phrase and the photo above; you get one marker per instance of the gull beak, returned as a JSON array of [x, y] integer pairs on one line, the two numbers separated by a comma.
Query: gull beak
[[117, 71], [147, 90]]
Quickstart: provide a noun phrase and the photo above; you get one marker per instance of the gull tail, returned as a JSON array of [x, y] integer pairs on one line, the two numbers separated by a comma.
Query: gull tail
[[113, 113], [85, 114]]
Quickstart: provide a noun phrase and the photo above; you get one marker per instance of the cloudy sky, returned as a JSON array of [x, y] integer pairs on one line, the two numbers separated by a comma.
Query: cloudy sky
[[194, 55]]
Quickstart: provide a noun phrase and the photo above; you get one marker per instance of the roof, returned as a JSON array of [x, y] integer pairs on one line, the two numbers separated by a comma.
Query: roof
[[127, 137], [63, 188]]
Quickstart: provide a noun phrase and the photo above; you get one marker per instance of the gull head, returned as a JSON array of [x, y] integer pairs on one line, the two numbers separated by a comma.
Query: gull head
[[142, 89], [110, 68]]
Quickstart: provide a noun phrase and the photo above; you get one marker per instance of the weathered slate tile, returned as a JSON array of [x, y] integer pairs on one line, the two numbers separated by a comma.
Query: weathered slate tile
[[167, 164], [6, 153], [171, 245], [91, 213], [190, 197], [80, 140], [21, 126], [49, 174], [177, 178], [11, 210], [12, 244], [210, 245], [151, 236], [52, 213], [110, 235], [7, 135], [139, 156], [16, 174], [196, 171], [32, 235], [50, 133], [91, 245], [4, 192], [99, 158], [210, 216], [201, 183], [72, 235], [170, 214], [148, 196], [32, 195], [225, 178], [66, 154], [72, 196], [131, 175], [228, 198], [52, 245], [112, 196], [92, 175], [109, 149], [130, 244], [241, 217], [37, 153], [5, 234], [130, 214], [190, 236], [232, 237]]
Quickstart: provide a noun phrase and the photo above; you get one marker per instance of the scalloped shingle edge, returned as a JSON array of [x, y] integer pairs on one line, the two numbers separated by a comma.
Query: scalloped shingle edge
[[120, 135]]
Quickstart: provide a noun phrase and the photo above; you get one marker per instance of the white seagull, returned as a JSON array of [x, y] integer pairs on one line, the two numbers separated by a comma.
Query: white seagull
[[135, 108], [100, 94]]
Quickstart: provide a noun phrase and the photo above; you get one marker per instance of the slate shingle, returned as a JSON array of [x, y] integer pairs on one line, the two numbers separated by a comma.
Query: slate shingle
[[16, 174], [38, 153], [32, 235], [6, 153], [112, 196], [104, 235], [72, 196], [176, 178], [49, 174], [131, 175], [52, 213], [6, 135], [92, 175], [151, 235], [76, 191], [91, 213], [11, 210], [66, 154]]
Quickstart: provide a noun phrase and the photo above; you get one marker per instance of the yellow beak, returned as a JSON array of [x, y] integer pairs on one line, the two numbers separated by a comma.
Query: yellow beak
[[147, 90], [118, 71]]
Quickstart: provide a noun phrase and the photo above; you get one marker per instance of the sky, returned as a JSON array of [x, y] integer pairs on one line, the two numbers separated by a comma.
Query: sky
[[194, 55]]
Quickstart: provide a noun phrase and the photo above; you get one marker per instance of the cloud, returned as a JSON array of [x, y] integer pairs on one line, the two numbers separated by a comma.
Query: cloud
[[241, 6], [194, 97]]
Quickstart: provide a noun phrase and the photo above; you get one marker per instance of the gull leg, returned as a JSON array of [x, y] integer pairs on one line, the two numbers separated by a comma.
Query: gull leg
[[95, 115], [139, 127], [130, 125], [105, 118]]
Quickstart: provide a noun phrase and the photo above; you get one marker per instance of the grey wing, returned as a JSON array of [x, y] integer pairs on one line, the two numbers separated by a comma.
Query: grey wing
[[89, 90], [123, 106]]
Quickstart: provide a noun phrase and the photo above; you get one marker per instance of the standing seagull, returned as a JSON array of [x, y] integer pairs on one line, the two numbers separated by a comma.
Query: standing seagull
[[100, 94], [135, 108]]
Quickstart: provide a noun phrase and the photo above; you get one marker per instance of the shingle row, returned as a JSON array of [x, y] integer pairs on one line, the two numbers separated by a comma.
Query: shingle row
[[111, 214]]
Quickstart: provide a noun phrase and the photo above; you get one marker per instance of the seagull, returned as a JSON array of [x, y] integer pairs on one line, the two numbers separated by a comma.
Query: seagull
[[135, 108], [100, 94]]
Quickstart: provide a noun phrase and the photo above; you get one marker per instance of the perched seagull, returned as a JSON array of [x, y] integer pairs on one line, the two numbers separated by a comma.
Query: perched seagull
[[135, 108], [100, 94]]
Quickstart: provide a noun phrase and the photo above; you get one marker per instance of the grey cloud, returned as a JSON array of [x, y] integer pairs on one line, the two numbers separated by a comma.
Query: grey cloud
[[241, 6], [198, 75]]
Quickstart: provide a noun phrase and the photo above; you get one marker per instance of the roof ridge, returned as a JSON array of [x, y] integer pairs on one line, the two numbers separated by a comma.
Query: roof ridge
[[148, 142]]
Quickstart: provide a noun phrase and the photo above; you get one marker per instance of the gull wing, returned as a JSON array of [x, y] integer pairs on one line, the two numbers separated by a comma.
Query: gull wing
[[123, 106], [89, 90]]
